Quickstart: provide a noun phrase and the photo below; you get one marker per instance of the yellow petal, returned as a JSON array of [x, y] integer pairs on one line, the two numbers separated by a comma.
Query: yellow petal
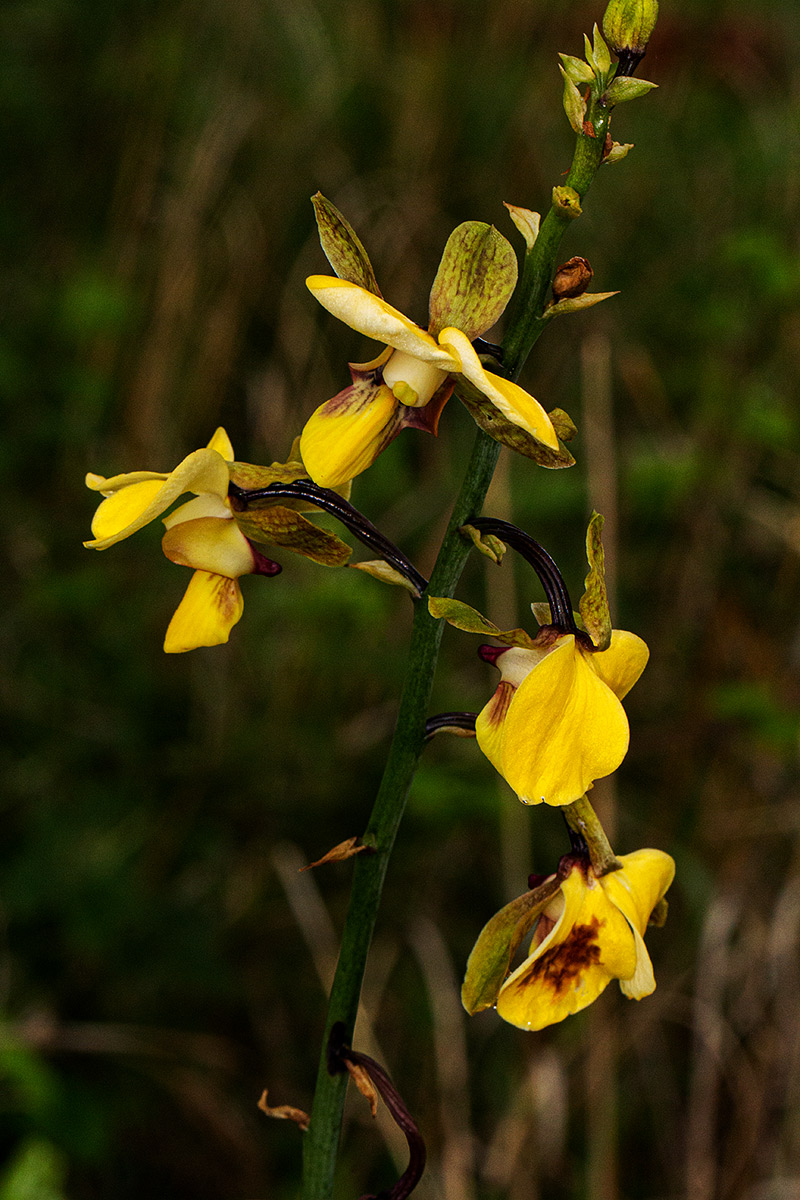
[[515, 664], [222, 444], [120, 516], [370, 315], [123, 507], [635, 890], [590, 945], [512, 401], [206, 615], [643, 982], [339, 442], [201, 506], [489, 724], [210, 544], [622, 663], [99, 483], [564, 729]]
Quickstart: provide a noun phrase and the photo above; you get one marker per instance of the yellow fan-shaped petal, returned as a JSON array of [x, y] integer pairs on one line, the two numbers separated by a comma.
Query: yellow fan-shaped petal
[[564, 729], [622, 663], [590, 945], [513, 401], [119, 516], [341, 440], [206, 615], [368, 314], [209, 544]]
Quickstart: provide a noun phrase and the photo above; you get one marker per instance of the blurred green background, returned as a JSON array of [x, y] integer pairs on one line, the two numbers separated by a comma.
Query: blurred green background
[[162, 960]]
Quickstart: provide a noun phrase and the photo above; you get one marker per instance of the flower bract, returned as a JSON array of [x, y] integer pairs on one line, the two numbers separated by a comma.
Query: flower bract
[[407, 385], [590, 932]]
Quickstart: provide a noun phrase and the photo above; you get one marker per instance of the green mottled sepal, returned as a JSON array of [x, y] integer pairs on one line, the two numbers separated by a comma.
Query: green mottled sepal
[[474, 282], [594, 602], [342, 246], [462, 616], [490, 960], [492, 421], [285, 527]]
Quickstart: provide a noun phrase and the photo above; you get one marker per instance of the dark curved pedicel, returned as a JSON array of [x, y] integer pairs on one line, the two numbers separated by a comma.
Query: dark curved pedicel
[[549, 575], [339, 1055], [330, 501]]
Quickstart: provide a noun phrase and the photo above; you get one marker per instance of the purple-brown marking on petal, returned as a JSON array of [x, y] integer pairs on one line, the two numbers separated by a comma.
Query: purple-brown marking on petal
[[263, 565], [490, 654], [558, 967], [426, 416], [497, 708], [227, 597]]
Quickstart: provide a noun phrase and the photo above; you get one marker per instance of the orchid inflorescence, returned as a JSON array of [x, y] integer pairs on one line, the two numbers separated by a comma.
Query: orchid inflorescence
[[555, 723]]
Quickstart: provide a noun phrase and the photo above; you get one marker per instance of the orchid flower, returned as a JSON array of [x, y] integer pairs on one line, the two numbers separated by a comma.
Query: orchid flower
[[409, 383], [202, 534], [589, 929]]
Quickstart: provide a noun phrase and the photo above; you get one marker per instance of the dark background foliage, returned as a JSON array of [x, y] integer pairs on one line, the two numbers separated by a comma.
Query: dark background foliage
[[162, 960]]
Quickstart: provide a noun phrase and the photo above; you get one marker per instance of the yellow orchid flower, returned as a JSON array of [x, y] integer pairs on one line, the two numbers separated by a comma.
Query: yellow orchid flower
[[590, 932], [407, 385], [556, 723], [202, 534]]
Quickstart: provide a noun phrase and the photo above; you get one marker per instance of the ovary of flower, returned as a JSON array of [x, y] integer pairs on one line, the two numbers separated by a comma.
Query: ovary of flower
[[555, 723], [344, 435], [590, 933], [201, 534]]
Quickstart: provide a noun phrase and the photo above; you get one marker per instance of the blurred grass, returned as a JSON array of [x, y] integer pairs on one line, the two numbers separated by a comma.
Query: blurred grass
[[155, 217]]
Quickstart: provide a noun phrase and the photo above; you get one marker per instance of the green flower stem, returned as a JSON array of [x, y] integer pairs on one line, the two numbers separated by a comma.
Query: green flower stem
[[584, 820], [526, 322], [321, 1142]]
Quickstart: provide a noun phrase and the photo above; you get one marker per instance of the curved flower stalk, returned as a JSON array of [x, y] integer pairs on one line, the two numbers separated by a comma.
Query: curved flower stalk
[[555, 724], [409, 383], [589, 929], [206, 535]]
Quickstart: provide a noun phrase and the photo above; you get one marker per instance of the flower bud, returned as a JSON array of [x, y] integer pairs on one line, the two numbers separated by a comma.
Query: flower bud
[[628, 25], [572, 278]]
